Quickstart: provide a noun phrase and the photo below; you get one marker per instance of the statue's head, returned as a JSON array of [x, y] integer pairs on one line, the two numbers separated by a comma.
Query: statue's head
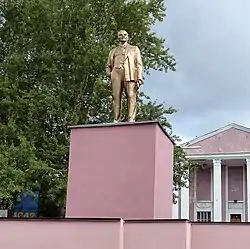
[[122, 36]]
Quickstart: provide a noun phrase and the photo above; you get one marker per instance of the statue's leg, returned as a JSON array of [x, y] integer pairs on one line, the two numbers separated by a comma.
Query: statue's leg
[[131, 94], [116, 81]]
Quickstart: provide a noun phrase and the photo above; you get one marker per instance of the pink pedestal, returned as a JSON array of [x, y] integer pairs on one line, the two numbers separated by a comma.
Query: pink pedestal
[[120, 170]]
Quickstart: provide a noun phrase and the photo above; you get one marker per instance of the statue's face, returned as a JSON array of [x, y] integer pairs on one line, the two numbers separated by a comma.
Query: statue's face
[[122, 36]]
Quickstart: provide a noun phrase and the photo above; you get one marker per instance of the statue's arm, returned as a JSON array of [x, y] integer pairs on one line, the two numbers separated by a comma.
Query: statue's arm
[[109, 65], [139, 64]]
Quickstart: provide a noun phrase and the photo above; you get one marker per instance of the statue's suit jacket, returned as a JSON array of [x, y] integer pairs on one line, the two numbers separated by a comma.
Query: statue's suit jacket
[[132, 63]]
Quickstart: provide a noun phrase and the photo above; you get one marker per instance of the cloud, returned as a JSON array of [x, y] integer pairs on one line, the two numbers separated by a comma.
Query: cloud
[[211, 42]]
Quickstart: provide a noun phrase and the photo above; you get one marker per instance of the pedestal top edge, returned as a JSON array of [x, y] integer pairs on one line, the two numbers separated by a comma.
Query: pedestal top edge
[[112, 124], [122, 124]]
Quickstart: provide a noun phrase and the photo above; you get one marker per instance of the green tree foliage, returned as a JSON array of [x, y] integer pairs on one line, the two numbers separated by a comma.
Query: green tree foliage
[[52, 69]]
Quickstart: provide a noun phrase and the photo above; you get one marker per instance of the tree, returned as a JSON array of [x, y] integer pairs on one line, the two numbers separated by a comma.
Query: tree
[[52, 61]]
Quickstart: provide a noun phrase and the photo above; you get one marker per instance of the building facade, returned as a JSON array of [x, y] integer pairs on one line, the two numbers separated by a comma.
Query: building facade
[[219, 189]]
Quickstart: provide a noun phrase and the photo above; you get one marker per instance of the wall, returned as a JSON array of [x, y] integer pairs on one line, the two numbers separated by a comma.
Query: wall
[[118, 234], [220, 235], [63, 234], [156, 234], [204, 184], [235, 183], [180, 234]]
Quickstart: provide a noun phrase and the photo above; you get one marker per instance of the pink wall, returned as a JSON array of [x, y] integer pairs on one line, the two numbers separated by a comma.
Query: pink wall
[[220, 235], [62, 234], [156, 234], [235, 183], [203, 185], [116, 234], [122, 170]]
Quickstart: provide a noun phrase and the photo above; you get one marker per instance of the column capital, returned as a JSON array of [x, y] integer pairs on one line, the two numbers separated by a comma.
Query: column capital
[[248, 161], [216, 161]]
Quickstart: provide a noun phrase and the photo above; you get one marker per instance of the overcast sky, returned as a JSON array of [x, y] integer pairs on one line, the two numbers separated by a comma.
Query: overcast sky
[[211, 43]]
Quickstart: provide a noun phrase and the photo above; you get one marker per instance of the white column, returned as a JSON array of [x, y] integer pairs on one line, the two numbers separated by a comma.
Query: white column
[[217, 190], [175, 207], [248, 189], [185, 202]]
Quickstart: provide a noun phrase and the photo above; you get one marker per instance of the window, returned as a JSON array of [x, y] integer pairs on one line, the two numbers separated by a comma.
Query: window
[[235, 217], [204, 216]]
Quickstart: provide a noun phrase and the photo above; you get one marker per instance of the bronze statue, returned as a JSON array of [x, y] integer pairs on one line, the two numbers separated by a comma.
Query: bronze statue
[[124, 67]]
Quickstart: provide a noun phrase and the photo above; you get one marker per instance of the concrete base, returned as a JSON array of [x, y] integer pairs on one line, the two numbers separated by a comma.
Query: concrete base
[[120, 170]]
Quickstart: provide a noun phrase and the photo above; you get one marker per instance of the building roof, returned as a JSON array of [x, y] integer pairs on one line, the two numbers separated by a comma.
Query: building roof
[[215, 132]]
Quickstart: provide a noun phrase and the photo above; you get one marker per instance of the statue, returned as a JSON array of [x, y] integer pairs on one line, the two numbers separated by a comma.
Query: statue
[[124, 67]]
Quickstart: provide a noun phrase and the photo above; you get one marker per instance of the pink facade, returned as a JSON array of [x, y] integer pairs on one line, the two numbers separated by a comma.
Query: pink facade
[[118, 234], [120, 170], [219, 184]]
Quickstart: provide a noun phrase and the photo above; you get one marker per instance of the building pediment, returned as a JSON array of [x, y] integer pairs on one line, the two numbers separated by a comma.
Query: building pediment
[[232, 138]]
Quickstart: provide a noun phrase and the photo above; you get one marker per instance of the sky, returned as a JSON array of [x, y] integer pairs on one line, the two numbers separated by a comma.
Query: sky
[[211, 86]]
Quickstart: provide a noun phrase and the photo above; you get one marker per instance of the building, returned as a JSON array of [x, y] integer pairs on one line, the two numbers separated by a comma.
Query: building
[[219, 190]]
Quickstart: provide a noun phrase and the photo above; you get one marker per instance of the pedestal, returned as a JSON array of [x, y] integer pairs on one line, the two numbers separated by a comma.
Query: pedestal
[[120, 170]]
